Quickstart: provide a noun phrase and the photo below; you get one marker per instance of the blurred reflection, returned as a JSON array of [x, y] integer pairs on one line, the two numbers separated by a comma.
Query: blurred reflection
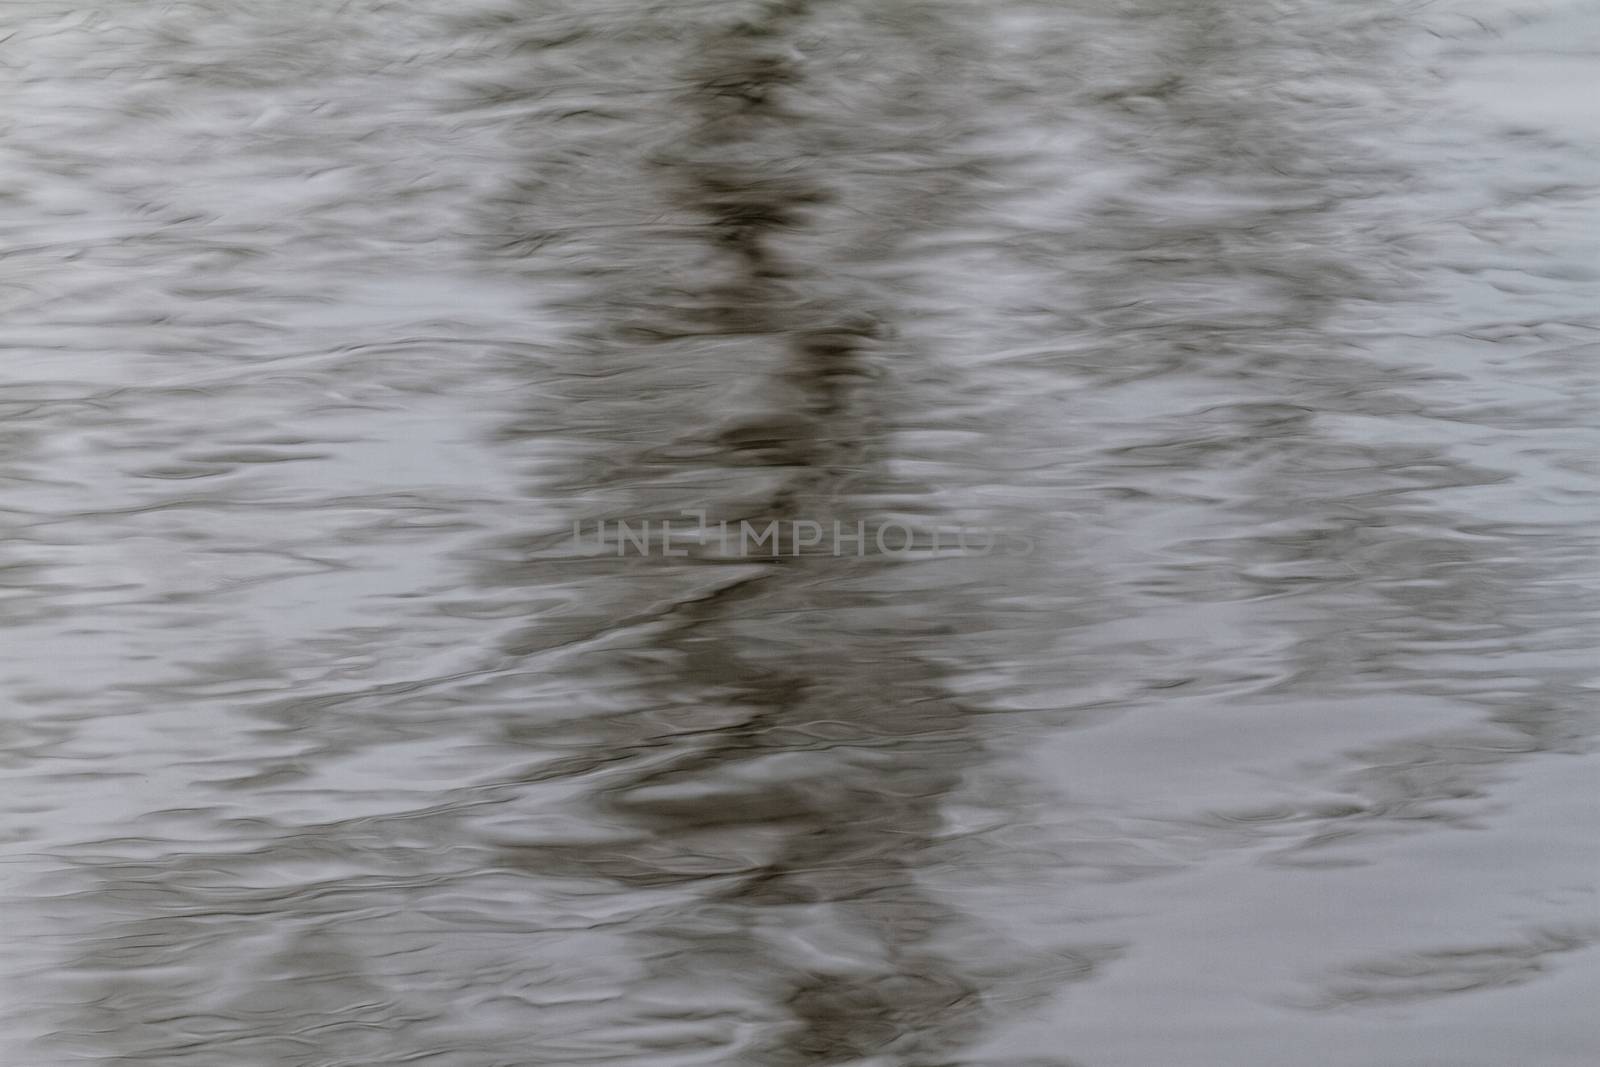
[[330, 746]]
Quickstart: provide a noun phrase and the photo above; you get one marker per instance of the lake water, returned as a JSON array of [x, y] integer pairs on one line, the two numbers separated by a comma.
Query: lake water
[[1254, 345]]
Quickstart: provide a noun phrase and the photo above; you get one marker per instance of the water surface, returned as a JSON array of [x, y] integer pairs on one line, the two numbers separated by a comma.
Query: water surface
[[1270, 326]]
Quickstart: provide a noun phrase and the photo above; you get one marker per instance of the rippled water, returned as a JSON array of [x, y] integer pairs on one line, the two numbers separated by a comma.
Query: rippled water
[[1271, 325]]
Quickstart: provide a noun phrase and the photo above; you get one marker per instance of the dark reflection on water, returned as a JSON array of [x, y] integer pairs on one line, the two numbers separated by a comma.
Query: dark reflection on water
[[325, 325]]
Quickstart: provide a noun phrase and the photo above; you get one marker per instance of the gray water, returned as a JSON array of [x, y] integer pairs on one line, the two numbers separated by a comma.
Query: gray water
[[1270, 325]]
